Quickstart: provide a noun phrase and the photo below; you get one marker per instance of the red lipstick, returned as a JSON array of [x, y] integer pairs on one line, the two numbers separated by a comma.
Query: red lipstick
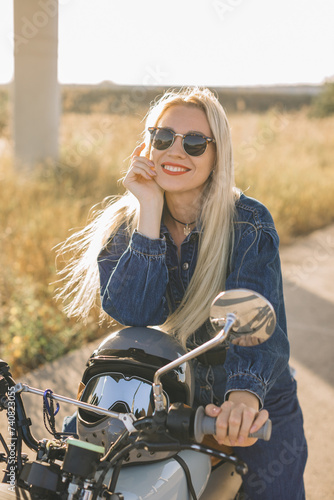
[[174, 169]]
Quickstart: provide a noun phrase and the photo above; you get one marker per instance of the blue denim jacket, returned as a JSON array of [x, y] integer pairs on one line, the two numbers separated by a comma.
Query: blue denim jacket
[[143, 280]]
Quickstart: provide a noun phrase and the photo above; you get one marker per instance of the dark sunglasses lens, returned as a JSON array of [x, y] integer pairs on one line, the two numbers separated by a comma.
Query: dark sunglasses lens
[[161, 139], [194, 145]]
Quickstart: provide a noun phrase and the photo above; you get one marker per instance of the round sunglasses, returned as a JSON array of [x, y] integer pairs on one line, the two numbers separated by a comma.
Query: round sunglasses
[[194, 144]]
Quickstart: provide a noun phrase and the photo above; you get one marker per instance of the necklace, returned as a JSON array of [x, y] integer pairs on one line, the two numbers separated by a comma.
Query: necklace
[[186, 229]]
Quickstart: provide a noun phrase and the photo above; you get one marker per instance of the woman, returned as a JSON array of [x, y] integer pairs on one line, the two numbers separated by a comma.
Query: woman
[[180, 235]]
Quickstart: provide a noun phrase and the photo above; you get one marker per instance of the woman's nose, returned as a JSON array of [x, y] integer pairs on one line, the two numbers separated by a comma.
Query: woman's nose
[[177, 147]]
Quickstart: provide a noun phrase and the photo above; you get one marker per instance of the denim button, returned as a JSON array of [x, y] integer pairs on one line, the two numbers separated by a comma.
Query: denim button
[[185, 266]]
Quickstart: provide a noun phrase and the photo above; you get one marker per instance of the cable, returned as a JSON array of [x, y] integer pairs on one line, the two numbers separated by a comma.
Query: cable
[[49, 412], [188, 476]]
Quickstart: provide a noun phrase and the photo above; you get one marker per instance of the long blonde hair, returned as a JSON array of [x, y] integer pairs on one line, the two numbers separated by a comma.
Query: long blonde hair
[[81, 276]]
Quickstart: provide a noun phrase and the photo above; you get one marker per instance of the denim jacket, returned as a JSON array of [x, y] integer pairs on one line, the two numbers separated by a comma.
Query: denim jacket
[[143, 280]]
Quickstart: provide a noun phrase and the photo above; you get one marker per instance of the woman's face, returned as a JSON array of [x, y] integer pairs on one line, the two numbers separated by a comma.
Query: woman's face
[[176, 170]]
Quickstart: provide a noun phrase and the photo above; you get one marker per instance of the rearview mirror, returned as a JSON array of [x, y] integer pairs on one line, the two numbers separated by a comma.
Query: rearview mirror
[[242, 316], [255, 316]]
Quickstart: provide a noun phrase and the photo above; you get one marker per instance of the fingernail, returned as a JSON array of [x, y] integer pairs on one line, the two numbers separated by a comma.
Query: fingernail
[[232, 442], [241, 439], [252, 429]]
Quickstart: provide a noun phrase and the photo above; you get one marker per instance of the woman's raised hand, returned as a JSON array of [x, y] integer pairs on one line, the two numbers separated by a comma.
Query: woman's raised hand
[[140, 181], [140, 178]]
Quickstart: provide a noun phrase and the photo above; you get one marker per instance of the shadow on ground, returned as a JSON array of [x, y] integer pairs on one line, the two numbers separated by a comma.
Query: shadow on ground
[[311, 330]]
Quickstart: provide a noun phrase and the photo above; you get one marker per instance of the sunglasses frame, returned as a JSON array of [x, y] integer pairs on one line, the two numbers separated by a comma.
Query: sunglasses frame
[[183, 136]]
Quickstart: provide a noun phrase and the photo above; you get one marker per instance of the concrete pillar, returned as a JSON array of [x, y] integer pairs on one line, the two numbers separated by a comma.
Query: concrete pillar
[[36, 92]]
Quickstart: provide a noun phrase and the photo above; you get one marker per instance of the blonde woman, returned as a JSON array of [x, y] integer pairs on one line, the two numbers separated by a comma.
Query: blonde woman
[[160, 254]]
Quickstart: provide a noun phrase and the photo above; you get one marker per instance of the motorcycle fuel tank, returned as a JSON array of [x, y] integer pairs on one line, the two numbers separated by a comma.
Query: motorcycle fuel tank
[[164, 480]]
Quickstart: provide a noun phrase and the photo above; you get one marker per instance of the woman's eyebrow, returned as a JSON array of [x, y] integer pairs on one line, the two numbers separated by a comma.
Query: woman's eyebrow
[[189, 131], [196, 132]]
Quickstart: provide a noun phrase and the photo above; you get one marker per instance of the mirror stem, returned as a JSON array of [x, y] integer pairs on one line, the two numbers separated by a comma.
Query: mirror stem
[[218, 339]]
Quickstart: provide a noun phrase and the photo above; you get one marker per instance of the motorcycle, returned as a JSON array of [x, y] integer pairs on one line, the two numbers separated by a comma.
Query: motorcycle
[[70, 468]]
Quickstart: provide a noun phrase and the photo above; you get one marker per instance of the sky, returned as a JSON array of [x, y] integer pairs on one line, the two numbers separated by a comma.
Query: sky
[[187, 42]]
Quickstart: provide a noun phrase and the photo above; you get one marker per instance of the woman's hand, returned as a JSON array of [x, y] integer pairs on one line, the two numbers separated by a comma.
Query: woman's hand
[[247, 341], [237, 418], [140, 181], [140, 178]]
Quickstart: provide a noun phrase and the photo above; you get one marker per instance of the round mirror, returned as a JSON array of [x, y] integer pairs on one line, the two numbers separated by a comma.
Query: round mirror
[[255, 316]]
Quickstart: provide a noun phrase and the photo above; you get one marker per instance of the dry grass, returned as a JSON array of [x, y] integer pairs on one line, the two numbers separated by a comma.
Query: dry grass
[[37, 211], [285, 160]]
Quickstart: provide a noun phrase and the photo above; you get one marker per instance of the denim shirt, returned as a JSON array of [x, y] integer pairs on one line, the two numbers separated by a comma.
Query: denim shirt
[[143, 280]]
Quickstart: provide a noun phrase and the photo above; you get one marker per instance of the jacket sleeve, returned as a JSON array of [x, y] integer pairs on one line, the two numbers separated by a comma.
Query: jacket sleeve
[[257, 267], [133, 279]]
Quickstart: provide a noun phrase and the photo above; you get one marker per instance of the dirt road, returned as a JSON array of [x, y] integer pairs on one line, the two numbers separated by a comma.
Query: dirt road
[[308, 271]]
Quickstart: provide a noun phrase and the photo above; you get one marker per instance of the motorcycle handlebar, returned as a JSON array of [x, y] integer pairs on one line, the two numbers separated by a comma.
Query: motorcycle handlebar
[[207, 425]]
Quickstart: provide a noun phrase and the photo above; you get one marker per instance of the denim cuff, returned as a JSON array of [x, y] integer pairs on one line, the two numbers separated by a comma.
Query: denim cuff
[[246, 382], [146, 246]]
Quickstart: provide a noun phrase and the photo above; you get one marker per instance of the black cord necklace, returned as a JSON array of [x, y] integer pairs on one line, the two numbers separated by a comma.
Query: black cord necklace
[[186, 225]]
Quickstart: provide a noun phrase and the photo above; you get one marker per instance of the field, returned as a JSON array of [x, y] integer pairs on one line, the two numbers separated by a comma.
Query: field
[[284, 158]]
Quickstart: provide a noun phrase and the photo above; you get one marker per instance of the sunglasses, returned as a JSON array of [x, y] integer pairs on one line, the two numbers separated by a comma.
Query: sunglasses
[[194, 144]]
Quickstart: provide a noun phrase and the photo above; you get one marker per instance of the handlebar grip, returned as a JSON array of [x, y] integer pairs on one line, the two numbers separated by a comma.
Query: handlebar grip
[[264, 432], [207, 425]]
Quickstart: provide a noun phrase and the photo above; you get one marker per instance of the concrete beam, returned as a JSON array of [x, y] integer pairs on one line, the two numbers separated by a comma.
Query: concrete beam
[[36, 93]]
